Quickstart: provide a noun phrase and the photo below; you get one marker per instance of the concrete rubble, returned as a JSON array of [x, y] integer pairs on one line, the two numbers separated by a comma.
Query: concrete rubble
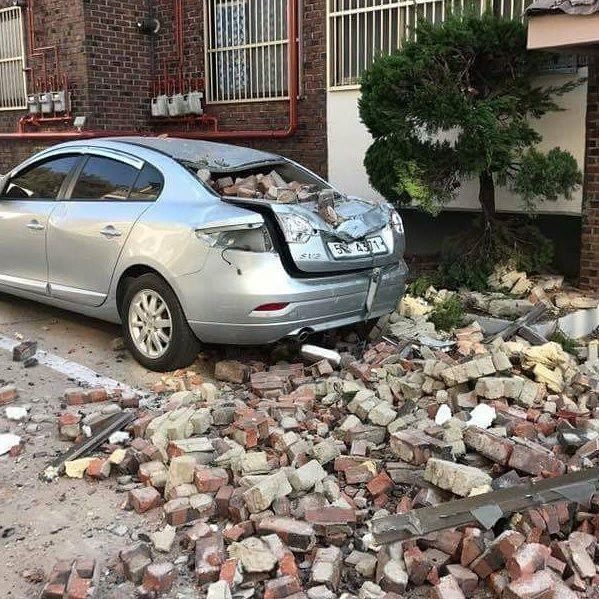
[[266, 483], [511, 294]]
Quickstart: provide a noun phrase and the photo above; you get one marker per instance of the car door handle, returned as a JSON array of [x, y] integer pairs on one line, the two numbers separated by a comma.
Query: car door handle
[[110, 231], [35, 225]]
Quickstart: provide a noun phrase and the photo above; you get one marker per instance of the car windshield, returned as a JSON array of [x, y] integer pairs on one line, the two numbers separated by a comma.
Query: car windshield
[[272, 181]]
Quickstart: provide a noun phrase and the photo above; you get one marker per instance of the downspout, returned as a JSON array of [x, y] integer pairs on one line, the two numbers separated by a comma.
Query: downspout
[[216, 134]]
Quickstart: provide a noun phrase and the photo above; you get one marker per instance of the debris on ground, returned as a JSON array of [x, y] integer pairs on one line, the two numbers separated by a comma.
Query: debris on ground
[[275, 481], [512, 294], [75, 579]]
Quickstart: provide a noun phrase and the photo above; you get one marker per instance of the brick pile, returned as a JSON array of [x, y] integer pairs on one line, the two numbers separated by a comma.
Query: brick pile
[[268, 481], [273, 187]]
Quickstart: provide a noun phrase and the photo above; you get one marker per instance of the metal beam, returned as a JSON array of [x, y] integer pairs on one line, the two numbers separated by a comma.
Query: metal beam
[[487, 509]]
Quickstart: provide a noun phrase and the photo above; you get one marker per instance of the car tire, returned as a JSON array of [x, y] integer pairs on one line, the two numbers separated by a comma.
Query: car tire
[[182, 347]]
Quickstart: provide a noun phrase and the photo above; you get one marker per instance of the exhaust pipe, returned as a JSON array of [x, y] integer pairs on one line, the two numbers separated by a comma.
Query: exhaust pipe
[[304, 334]]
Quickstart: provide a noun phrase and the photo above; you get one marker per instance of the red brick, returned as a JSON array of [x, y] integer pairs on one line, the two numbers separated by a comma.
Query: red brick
[[97, 395], [136, 559], [528, 559], [99, 469], [8, 393], [85, 567], [282, 587], [209, 557], [231, 371], [78, 588], [222, 500], [538, 586], [144, 499], [380, 484], [467, 580], [229, 571], [447, 588], [159, 577], [472, 547], [210, 480], [418, 565]]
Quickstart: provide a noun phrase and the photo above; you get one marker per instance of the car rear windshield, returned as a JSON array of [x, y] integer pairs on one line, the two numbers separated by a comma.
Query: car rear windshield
[[282, 182]]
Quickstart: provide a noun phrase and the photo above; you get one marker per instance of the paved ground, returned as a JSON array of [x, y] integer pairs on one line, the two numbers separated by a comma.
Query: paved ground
[[78, 338], [41, 522]]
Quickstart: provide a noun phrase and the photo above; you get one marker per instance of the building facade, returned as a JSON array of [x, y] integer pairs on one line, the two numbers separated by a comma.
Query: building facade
[[281, 75]]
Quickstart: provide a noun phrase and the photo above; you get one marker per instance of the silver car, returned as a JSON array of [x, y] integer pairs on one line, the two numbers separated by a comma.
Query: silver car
[[190, 241]]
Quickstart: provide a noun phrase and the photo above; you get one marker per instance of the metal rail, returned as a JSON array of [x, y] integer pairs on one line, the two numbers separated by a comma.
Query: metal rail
[[360, 30], [486, 509]]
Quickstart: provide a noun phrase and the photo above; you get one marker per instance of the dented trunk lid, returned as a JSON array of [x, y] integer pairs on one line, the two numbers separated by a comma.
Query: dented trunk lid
[[360, 239]]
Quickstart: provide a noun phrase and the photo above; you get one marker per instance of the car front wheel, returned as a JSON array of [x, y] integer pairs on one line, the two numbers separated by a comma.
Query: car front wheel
[[154, 326]]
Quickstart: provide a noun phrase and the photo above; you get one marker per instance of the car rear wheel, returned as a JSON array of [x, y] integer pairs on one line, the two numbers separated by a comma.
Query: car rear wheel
[[154, 326]]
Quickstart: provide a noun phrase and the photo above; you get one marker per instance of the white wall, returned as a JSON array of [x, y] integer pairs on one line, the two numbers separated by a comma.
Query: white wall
[[348, 140]]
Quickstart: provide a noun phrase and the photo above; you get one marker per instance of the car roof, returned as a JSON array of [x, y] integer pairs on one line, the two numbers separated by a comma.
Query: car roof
[[208, 154]]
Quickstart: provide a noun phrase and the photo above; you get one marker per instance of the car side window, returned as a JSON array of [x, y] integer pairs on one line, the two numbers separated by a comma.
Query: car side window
[[148, 186], [104, 179], [41, 181]]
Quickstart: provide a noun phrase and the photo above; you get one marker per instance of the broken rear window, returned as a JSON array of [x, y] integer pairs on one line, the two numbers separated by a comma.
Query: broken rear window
[[282, 182]]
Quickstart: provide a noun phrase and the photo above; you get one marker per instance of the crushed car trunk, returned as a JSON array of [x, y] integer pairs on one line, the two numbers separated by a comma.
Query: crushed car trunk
[[322, 231]]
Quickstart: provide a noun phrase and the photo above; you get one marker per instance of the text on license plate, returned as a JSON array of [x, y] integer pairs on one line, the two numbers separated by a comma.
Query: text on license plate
[[364, 247]]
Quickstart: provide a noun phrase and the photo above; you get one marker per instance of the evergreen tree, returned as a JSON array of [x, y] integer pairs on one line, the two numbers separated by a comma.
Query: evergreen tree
[[458, 103]]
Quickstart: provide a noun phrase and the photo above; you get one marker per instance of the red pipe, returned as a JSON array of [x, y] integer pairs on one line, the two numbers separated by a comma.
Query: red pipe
[[293, 61]]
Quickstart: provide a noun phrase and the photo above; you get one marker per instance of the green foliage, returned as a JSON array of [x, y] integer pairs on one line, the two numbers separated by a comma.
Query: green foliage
[[469, 258], [457, 103], [568, 344], [419, 286], [546, 176], [448, 314]]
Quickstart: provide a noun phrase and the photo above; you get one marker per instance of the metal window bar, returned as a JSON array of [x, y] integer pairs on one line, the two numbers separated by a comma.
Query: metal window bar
[[246, 48], [360, 30], [13, 80]]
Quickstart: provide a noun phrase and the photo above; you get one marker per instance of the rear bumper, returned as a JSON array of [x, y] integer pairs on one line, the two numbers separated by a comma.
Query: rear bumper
[[219, 302]]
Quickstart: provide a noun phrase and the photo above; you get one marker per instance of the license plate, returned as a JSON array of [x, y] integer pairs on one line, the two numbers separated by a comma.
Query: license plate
[[365, 247]]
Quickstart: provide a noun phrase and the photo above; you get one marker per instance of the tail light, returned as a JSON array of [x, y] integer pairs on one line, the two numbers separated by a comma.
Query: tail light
[[250, 237], [273, 307], [296, 229]]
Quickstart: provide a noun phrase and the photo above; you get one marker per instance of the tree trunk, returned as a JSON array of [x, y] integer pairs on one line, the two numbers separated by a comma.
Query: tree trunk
[[486, 197]]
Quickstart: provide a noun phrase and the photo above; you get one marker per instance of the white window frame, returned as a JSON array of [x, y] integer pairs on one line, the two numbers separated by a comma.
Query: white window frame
[[250, 61], [396, 21], [13, 78]]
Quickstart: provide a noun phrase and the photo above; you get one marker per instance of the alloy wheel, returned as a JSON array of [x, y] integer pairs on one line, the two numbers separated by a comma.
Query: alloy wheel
[[150, 323]]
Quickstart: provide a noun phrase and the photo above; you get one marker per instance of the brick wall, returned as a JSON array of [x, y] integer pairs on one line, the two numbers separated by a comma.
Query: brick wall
[[111, 66], [61, 23], [589, 258], [119, 60]]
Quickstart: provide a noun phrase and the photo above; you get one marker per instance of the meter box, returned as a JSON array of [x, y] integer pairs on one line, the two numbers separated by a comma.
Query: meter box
[[178, 105], [195, 102], [61, 101], [33, 104], [160, 106], [46, 103]]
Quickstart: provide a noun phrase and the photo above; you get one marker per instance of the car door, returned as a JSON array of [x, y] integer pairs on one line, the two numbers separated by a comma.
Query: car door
[[27, 200], [89, 228]]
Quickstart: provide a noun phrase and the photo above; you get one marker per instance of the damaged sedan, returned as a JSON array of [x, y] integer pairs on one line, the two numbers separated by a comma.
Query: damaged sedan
[[190, 241]]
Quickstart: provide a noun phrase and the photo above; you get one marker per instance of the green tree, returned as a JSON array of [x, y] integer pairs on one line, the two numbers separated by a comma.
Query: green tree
[[458, 103]]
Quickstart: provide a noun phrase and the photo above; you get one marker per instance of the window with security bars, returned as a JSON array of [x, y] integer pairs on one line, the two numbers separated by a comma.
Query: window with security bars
[[13, 89], [247, 46], [360, 30]]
